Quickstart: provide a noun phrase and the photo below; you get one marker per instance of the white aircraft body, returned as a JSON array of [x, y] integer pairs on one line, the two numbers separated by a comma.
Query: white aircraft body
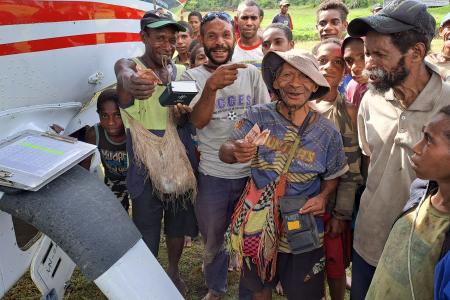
[[54, 56]]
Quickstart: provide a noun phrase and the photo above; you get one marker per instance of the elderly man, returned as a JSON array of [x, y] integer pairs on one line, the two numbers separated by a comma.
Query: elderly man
[[226, 92], [297, 166], [404, 93]]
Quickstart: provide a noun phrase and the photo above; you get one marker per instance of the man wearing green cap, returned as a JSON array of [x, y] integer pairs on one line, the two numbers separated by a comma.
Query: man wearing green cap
[[404, 93], [140, 82]]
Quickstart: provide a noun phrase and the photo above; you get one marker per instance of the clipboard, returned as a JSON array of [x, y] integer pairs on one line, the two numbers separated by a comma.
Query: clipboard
[[31, 159]]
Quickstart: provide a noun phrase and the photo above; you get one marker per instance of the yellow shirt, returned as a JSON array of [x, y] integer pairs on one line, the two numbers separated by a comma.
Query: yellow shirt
[[149, 112], [391, 276]]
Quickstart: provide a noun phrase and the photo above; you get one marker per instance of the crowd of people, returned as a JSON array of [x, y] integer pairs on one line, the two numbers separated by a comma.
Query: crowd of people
[[290, 164]]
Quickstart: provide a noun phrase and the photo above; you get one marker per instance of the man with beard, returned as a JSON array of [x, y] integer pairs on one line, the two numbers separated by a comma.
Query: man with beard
[[248, 48], [226, 92], [404, 93]]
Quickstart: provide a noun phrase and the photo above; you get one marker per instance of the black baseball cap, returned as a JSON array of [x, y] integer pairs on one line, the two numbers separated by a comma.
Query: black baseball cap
[[155, 21], [397, 16]]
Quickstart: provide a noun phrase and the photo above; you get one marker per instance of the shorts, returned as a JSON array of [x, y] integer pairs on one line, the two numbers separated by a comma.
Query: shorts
[[148, 210], [337, 251], [301, 275]]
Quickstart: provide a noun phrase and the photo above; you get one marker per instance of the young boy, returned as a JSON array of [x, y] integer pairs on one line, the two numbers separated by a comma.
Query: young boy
[[277, 37], [183, 42], [353, 52], [109, 136], [333, 106], [197, 56], [195, 19], [332, 19], [332, 23]]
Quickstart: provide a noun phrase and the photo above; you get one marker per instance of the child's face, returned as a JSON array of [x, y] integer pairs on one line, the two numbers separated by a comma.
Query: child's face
[[195, 23], [355, 60], [200, 57], [331, 63], [275, 39], [444, 32], [184, 40], [330, 25], [110, 119]]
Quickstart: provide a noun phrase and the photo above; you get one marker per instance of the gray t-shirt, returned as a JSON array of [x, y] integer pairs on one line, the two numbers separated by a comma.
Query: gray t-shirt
[[231, 104]]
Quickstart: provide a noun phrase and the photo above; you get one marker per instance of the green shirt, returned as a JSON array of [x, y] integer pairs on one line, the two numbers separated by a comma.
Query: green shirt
[[149, 112], [391, 276]]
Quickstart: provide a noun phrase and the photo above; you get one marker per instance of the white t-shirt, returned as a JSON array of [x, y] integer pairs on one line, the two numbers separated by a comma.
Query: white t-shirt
[[231, 104], [248, 55]]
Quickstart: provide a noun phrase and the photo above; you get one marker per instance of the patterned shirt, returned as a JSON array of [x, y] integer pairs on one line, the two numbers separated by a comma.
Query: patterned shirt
[[320, 154]]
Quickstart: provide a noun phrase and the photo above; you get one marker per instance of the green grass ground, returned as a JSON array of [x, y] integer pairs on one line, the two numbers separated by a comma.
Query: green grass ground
[[80, 288], [191, 272]]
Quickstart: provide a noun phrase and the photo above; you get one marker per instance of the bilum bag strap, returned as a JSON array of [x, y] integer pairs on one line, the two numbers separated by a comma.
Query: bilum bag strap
[[281, 180], [301, 130]]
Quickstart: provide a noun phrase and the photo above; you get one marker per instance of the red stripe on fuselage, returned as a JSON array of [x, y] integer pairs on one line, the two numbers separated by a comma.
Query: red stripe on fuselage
[[14, 12], [68, 42]]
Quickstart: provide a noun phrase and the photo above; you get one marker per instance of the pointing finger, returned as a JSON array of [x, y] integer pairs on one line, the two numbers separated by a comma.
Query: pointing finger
[[237, 66]]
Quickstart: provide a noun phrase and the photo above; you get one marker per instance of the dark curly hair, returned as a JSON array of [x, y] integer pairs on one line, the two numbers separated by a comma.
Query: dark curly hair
[[334, 4], [407, 39], [286, 30], [336, 41]]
